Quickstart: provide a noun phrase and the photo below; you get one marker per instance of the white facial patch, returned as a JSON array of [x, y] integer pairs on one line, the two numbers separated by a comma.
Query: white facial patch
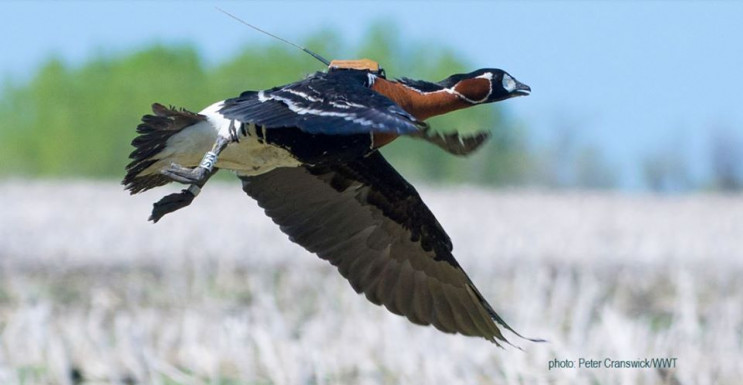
[[509, 83], [486, 75]]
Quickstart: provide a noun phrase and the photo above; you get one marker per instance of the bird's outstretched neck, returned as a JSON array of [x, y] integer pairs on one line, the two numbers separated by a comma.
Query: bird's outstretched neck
[[422, 105]]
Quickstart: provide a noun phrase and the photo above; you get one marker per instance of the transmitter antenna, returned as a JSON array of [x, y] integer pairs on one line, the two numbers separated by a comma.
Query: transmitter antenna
[[316, 56]]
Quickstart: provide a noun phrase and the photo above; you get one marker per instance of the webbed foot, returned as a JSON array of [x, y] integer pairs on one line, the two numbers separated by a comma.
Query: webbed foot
[[170, 203]]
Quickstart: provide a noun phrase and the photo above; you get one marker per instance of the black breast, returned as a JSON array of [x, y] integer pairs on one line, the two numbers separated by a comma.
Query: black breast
[[318, 148]]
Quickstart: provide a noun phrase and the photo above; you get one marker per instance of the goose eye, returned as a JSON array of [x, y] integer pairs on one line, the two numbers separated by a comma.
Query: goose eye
[[509, 84]]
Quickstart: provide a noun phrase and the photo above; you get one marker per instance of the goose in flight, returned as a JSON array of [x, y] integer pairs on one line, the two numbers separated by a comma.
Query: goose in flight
[[308, 153]]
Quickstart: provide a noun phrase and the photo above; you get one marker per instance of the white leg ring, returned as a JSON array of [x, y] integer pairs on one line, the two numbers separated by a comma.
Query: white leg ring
[[194, 189], [208, 161]]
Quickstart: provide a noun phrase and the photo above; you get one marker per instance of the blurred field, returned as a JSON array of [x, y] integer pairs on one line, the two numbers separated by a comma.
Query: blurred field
[[89, 289]]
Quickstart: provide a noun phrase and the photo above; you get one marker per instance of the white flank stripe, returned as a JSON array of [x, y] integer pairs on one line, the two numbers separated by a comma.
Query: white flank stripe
[[303, 95], [340, 105]]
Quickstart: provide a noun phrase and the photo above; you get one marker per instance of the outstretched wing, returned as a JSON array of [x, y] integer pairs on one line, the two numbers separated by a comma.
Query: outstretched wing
[[365, 219], [336, 102]]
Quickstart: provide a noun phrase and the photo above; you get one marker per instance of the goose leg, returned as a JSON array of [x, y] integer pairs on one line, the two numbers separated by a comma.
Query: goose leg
[[196, 178], [200, 173]]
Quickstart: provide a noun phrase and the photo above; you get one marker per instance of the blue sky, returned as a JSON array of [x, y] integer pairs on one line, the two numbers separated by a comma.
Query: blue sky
[[630, 78]]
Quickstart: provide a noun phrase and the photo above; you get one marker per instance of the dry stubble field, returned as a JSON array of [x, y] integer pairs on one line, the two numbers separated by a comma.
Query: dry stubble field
[[92, 293]]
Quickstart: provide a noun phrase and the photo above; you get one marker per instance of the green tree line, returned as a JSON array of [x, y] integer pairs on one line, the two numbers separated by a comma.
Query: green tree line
[[78, 120]]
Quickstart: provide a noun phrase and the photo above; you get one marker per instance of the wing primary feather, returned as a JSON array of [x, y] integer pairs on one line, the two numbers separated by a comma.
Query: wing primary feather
[[404, 290], [386, 286], [459, 302], [372, 277], [422, 302], [442, 314]]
